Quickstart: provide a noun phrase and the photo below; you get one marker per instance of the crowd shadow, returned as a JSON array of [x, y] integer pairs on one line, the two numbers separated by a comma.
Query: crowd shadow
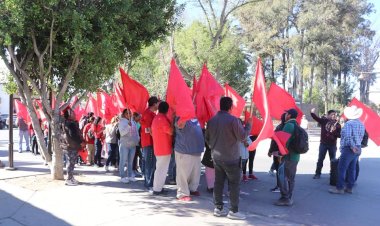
[[14, 211]]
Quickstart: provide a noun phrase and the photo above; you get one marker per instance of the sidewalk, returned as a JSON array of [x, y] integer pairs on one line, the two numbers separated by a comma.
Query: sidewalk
[[29, 197]]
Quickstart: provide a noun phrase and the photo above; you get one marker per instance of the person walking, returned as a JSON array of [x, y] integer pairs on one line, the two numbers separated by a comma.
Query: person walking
[[330, 131], [224, 132], [350, 147], [70, 142]]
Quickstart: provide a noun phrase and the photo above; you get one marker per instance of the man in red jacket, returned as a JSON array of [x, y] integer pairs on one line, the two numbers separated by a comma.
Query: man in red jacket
[[162, 132], [89, 142], [146, 141]]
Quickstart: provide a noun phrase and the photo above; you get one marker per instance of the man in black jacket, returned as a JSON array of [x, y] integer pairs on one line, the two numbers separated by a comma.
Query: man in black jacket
[[71, 142], [330, 131]]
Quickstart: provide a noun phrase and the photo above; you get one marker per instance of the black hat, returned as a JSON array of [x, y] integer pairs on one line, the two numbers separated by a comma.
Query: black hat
[[292, 112]]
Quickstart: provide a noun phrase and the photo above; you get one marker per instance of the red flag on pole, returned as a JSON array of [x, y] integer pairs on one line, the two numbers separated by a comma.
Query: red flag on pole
[[178, 95], [238, 101], [257, 124], [119, 97], [279, 100], [259, 97], [136, 95], [194, 90], [370, 119], [92, 106], [21, 111], [208, 93], [281, 137], [106, 107]]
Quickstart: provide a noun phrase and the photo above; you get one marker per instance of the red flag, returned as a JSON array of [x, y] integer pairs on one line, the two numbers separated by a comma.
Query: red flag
[[257, 124], [136, 95], [281, 137], [178, 95], [279, 100], [92, 106], [238, 101], [119, 97], [208, 93], [21, 111], [260, 99], [106, 107], [370, 119]]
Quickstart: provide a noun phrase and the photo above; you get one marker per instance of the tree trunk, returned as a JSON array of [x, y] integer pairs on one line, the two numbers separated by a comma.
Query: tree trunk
[[311, 82], [301, 69], [327, 89], [57, 167], [283, 69], [273, 78]]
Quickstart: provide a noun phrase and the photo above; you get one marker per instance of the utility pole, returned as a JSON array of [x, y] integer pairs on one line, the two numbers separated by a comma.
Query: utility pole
[[10, 144]]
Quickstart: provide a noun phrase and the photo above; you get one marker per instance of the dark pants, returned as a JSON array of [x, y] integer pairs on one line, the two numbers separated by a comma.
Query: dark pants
[[112, 150], [232, 173], [34, 145], [149, 166], [323, 148], [98, 151], [244, 166], [286, 188], [250, 161], [347, 165], [137, 161], [172, 168]]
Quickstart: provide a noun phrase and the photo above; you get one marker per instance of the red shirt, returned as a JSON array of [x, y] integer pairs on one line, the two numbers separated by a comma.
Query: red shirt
[[146, 122], [86, 128], [98, 131], [162, 135]]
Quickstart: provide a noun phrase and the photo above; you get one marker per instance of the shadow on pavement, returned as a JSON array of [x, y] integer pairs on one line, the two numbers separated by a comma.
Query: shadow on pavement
[[14, 211]]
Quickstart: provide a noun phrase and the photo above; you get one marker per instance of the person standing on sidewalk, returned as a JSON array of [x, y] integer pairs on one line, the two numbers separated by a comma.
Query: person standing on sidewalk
[[289, 161], [223, 134], [350, 148], [189, 145], [71, 142], [162, 132], [90, 142], [330, 131], [147, 141], [23, 133]]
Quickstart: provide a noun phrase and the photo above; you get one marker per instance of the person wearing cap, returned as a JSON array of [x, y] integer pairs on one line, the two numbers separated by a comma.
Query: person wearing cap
[[330, 131], [147, 141], [290, 161], [350, 148]]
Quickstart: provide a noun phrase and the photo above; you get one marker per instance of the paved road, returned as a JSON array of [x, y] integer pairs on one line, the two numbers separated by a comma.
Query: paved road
[[102, 200]]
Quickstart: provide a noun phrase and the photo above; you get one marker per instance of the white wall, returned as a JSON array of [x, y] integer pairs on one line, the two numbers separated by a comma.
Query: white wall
[[4, 101]]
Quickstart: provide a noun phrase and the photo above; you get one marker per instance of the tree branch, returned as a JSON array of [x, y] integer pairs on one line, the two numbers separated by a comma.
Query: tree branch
[[208, 20], [66, 79]]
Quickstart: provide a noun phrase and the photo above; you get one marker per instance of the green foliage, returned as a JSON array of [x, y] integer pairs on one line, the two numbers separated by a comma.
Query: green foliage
[[100, 33], [10, 86]]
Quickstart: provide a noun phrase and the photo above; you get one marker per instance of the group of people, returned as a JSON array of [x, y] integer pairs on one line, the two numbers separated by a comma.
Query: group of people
[[168, 141]]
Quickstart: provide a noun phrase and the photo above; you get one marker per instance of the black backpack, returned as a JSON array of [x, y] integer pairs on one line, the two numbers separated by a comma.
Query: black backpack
[[300, 144]]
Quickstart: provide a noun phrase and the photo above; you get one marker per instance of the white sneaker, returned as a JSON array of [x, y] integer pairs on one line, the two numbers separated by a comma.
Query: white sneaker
[[71, 182], [236, 216], [220, 213], [124, 180], [106, 168], [132, 179]]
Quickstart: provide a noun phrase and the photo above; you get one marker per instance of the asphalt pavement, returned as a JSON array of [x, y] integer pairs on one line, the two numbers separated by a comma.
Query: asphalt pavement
[[29, 197]]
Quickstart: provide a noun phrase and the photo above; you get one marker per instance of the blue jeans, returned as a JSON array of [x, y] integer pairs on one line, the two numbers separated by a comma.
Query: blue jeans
[[347, 164], [126, 155], [98, 151], [149, 166], [112, 149], [23, 134], [323, 148], [172, 168]]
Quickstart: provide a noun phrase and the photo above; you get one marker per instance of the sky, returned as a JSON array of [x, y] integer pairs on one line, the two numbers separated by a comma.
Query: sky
[[192, 13]]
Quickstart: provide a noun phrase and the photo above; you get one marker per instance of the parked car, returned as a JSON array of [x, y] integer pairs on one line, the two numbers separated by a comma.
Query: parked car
[[3, 121], [14, 121]]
